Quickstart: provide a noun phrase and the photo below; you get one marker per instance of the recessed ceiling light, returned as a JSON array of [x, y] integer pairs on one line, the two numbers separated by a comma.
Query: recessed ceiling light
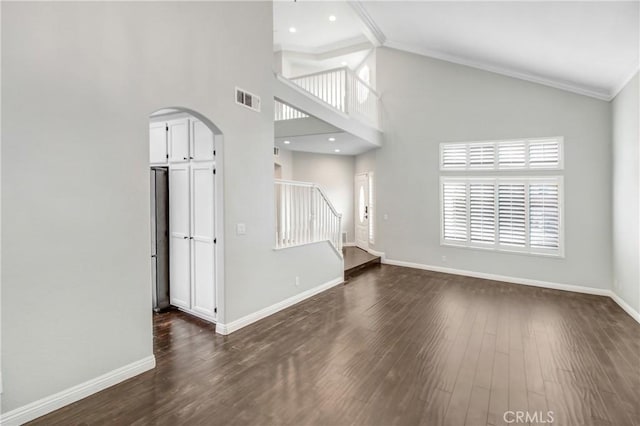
[[332, 139], [292, 29], [286, 142], [344, 64], [332, 18], [336, 150]]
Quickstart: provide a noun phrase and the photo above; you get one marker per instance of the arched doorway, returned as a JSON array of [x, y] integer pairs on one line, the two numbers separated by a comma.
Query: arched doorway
[[187, 240]]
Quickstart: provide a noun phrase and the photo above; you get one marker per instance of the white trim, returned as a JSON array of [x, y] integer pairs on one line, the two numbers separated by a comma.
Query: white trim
[[625, 306], [277, 307], [556, 84], [368, 26], [58, 400], [351, 244]]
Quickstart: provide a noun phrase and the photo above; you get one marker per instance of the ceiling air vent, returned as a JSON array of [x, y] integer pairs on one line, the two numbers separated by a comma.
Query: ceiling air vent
[[276, 151], [247, 99]]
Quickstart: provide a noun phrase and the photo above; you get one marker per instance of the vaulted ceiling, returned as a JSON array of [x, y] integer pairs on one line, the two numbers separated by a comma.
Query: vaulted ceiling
[[587, 47]]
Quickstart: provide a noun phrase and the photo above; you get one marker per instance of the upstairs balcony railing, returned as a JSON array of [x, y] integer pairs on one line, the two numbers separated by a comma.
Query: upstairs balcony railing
[[341, 89]]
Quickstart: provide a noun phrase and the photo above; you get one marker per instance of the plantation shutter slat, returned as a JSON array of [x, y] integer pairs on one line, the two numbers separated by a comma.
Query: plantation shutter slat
[[544, 215], [512, 215], [482, 212], [454, 197], [512, 155]]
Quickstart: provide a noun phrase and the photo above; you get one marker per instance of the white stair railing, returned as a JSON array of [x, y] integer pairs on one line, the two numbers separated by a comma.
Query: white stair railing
[[285, 112], [341, 89], [304, 215]]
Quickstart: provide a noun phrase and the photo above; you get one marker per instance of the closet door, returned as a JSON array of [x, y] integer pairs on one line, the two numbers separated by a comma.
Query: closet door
[[179, 140], [202, 144], [180, 246], [203, 234], [158, 143]]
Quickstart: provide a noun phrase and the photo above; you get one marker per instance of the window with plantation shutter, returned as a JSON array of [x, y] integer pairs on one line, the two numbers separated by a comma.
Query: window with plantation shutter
[[544, 154], [454, 156], [511, 214], [544, 215], [485, 206], [512, 155], [482, 214], [454, 200], [525, 154], [521, 214]]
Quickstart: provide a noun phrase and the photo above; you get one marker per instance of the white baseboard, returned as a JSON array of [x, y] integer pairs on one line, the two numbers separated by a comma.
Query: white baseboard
[[348, 244], [524, 281], [504, 278], [53, 402], [270, 310], [625, 306]]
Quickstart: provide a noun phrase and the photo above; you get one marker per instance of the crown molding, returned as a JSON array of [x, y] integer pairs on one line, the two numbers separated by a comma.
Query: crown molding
[[562, 85], [337, 48], [369, 27], [626, 81]]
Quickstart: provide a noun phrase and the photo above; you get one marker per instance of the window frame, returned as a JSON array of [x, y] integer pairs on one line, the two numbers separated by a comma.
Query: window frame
[[496, 246], [496, 165]]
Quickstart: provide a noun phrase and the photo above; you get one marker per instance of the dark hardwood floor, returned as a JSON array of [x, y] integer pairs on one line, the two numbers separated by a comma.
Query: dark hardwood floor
[[357, 260], [396, 346]]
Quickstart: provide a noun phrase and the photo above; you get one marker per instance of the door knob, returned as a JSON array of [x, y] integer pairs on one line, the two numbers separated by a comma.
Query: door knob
[[185, 238]]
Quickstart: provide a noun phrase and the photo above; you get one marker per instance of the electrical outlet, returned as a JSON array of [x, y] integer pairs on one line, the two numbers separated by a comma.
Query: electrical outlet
[[386, 216], [297, 281], [241, 229], [444, 258]]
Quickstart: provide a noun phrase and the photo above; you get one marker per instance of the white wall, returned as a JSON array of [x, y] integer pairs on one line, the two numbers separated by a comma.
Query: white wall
[[79, 81], [285, 160], [428, 101], [626, 192], [335, 174]]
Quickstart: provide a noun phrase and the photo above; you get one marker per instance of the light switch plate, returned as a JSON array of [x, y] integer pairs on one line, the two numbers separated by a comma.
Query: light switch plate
[[241, 229]]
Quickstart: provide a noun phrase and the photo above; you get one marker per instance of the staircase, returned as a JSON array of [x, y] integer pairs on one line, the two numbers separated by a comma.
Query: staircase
[[357, 261], [304, 215]]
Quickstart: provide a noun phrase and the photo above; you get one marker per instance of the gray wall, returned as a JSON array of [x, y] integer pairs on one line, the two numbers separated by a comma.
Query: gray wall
[[285, 160], [427, 101], [79, 82], [335, 174], [626, 187]]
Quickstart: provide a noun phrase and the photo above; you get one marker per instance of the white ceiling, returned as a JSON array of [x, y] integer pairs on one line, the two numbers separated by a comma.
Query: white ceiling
[[320, 144], [314, 32], [589, 47]]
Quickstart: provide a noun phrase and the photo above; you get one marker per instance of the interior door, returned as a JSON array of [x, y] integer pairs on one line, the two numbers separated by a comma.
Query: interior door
[[179, 226], [362, 210], [202, 142], [203, 234], [158, 143], [178, 140]]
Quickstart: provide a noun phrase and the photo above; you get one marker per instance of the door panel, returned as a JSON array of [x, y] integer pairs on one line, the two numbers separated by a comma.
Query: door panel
[[157, 143], [179, 141], [362, 210], [202, 142], [180, 267], [202, 231]]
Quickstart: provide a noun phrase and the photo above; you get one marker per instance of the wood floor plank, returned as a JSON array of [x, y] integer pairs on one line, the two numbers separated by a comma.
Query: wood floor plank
[[395, 346]]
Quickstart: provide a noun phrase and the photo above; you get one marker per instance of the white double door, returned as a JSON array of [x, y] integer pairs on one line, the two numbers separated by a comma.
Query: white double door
[[192, 246]]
